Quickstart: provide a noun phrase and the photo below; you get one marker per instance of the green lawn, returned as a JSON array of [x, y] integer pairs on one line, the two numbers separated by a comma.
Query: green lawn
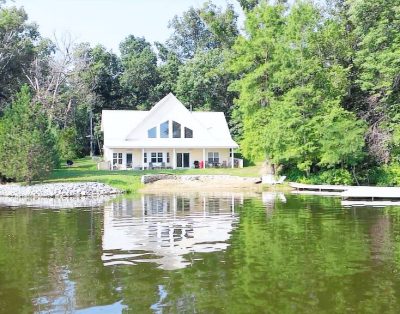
[[129, 180]]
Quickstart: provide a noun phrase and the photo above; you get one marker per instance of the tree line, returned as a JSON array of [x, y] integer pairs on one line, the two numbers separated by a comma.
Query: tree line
[[313, 89]]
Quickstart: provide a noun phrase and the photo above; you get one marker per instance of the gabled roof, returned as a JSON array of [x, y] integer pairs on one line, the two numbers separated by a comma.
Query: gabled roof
[[128, 128]]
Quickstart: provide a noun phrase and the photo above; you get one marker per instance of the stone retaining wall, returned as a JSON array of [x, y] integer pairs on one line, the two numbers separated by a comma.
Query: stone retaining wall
[[150, 178]]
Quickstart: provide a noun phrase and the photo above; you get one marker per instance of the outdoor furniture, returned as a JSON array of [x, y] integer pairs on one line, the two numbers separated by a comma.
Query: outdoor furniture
[[196, 164], [151, 165]]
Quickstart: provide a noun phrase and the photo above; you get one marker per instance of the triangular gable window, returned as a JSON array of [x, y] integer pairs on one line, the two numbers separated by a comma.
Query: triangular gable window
[[164, 129], [188, 133], [176, 129], [152, 133]]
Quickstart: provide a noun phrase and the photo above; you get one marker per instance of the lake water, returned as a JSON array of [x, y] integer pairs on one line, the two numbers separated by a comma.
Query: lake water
[[200, 253]]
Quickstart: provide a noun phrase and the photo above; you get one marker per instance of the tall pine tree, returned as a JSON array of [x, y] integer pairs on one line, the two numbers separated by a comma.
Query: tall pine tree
[[27, 144]]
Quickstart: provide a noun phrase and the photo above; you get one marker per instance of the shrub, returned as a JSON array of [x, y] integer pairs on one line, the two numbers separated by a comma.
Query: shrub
[[388, 175], [27, 144], [336, 176], [331, 176], [68, 145]]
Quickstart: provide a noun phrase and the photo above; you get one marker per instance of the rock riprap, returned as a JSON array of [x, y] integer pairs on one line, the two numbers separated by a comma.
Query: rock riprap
[[83, 189]]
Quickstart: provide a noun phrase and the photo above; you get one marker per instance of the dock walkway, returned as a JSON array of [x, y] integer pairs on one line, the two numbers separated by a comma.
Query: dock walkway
[[350, 193]]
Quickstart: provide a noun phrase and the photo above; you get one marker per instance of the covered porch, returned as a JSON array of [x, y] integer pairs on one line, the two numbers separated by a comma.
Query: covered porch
[[170, 158]]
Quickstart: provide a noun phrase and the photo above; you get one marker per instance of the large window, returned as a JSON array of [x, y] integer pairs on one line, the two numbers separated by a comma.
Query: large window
[[152, 133], [117, 158], [188, 133], [153, 157], [176, 129], [164, 129], [213, 157]]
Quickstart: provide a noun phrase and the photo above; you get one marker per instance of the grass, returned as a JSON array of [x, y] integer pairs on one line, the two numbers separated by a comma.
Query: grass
[[85, 169]]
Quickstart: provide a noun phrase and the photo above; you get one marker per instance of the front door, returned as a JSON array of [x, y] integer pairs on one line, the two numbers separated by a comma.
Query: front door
[[129, 160], [182, 160]]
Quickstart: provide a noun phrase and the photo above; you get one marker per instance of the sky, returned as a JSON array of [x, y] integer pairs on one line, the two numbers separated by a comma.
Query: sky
[[107, 22]]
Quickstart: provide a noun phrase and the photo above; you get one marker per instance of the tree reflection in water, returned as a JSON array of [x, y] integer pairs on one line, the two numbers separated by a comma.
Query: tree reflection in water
[[197, 253]]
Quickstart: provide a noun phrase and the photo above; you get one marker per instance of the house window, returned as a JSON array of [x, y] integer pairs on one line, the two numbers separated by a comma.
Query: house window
[[152, 133], [145, 158], [213, 157], [176, 130], [164, 129], [167, 157], [117, 158], [188, 133], [156, 157]]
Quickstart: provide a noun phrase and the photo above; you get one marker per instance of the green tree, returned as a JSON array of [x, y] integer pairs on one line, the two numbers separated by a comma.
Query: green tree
[[222, 24], [27, 143], [140, 74], [69, 146], [377, 30], [168, 71], [201, 30], [203, 82], [291, 92], [190, 34], [248, 5], [97, 73], [17, 50]]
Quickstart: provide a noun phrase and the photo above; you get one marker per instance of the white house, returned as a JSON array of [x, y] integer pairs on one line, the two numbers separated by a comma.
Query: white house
[[167, 136]]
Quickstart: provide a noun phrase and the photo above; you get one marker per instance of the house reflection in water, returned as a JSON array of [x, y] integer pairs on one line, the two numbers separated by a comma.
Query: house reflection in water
[[165, 228]]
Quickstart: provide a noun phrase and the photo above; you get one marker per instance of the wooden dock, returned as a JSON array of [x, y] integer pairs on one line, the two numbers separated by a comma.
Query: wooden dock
[[371, 193], [352, 194], [319, 188]]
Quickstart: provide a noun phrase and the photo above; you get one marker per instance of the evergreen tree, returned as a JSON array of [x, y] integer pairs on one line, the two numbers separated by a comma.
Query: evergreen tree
[[27, 143]]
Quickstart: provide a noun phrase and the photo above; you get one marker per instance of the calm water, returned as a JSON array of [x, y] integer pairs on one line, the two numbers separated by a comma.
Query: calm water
[[269, 253]]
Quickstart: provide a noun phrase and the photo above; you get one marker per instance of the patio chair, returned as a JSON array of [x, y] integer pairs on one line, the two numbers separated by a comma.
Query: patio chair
[[151, 166]]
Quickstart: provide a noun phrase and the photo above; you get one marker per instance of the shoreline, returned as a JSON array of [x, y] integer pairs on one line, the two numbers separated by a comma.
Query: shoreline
[[58, 190], [199, 183]]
